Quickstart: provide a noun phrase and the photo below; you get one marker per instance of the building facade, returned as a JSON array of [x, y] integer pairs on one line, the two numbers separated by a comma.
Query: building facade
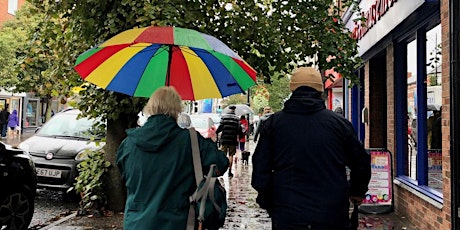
[[404, 103]]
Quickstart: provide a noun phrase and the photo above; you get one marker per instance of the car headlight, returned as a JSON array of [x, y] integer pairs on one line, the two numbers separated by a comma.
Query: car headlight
[[82, 155]]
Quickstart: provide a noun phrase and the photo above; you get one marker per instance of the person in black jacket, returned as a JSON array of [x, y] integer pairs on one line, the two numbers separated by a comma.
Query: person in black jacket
[[267, 113], [231, 129], [4, 114], [299, 164]]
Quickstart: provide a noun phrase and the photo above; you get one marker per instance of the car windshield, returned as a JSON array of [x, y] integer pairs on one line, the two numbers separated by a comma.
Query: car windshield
[[67, 124], [199, 122]]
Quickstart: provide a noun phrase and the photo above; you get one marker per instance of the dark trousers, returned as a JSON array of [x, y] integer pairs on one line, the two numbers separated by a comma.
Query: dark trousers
[[4, 129]]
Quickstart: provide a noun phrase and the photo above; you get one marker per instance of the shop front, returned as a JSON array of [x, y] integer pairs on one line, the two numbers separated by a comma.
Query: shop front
[[402, 104], [12, 101]]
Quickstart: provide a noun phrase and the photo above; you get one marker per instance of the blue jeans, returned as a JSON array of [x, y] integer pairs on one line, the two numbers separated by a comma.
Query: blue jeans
[[4, 128]]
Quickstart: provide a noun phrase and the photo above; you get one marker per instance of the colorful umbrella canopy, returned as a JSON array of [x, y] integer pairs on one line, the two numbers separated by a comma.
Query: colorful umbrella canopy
[[138, 61]]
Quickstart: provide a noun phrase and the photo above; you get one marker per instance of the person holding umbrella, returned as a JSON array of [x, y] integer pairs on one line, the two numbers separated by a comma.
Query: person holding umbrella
[[155, 161], [299, 164]]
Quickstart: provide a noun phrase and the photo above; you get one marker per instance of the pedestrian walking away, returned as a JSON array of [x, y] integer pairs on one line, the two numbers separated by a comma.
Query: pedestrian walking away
[[267, 113], [4, 114], [13, 124], [299, 164], [231, 129], [245, 127], [156, 163]]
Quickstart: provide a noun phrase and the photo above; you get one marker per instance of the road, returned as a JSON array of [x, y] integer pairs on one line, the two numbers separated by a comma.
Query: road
[[49, 207]]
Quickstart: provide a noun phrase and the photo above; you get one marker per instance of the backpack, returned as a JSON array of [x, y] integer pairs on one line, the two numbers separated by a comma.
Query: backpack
[[208, 204]]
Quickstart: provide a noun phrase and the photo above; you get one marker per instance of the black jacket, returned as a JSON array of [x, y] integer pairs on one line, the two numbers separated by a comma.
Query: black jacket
[[4, 114], [300, 164], [230, 128], [262, 119]]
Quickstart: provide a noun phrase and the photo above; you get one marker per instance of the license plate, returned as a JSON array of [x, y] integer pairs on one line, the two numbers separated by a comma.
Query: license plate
[[49, 172]]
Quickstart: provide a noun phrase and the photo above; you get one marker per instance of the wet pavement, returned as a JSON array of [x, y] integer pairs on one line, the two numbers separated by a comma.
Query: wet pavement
[[244, 212]]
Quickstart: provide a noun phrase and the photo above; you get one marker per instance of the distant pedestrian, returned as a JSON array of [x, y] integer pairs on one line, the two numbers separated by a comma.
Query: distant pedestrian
[[267, 113], [231, 129], [299, 164], [436, 135], [13, 123], [245, 127], [339, 110], [4, 114], [155, 161]]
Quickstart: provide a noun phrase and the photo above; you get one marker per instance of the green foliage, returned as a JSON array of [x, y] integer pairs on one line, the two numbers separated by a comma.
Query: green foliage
[[89, 181], [13, 41], [279, 91], [280, 35], [234, 99], [259, 102]]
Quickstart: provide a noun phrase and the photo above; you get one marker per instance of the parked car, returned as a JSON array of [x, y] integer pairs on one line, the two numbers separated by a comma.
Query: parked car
[[18, 182], [214, 116], [58, 146], [204, 125]]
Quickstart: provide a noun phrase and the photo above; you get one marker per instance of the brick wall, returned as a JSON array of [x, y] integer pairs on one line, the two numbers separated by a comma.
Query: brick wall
[[366, 104], [4, 15]]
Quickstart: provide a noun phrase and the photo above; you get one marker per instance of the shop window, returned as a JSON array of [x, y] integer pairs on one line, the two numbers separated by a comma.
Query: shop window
[[422, 164], [31, 114]]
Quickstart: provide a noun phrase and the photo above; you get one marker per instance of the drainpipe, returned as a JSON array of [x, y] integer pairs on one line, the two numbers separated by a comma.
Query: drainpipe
[[454, 41]]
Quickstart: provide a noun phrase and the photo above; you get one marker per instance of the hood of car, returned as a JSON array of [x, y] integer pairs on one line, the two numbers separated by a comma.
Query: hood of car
[[60, 147]]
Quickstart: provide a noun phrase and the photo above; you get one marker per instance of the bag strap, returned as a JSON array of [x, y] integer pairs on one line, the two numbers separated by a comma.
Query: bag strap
[[196, 156], [198, 176], [207, 188]]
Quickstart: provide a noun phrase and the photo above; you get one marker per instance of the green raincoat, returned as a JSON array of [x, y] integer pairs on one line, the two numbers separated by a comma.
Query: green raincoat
[[155, 161]]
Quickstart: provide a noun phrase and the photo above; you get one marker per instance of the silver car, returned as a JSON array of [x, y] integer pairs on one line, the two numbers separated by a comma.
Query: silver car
[[58, 146]]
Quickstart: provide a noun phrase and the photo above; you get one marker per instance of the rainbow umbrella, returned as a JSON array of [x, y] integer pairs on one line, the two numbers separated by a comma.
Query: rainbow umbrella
[[138, 61]]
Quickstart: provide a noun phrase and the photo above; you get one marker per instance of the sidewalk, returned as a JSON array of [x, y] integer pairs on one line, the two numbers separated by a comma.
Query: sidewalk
[[243, 211], [15, 141]]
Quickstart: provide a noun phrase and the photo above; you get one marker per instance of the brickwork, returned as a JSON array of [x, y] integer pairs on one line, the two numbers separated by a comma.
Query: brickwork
[[423, 214], [366, 104], [4, 15]]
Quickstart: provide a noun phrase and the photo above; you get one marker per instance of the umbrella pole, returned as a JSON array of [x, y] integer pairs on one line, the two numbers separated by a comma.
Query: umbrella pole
[[168, 73]]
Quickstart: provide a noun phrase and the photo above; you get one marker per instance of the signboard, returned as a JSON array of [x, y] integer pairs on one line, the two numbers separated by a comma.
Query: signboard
[[380, 184], [435, 169], [379, 196], [207, 106]]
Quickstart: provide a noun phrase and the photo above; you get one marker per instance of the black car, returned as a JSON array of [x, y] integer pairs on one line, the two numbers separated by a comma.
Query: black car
[[18, 182]]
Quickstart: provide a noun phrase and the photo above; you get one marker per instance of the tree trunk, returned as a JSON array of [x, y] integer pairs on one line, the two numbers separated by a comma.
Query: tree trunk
[[113, 184]]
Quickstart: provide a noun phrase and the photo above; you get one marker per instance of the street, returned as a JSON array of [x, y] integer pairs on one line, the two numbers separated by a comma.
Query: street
[[50, 206]]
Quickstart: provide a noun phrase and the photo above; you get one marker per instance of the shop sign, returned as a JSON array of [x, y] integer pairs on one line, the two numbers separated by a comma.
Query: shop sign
[[382, 16], [372, 16]]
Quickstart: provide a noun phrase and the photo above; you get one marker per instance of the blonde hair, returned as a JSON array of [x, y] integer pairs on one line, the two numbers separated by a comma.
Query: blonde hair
[[165, 100]]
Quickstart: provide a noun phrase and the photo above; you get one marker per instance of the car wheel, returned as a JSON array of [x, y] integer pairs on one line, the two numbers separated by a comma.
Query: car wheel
[[16, 210]]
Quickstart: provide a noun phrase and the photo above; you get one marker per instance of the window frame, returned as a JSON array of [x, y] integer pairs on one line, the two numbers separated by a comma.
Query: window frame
[[400, 68]]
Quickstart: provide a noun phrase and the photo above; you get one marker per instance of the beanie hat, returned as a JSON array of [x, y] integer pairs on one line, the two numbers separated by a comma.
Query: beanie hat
[[306, 76]]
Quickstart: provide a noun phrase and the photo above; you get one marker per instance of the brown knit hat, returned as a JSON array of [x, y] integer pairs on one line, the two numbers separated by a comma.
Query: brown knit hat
[[306, 76]]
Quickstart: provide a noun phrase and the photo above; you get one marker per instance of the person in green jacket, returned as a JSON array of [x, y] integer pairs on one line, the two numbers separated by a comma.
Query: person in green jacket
[[156, 163]]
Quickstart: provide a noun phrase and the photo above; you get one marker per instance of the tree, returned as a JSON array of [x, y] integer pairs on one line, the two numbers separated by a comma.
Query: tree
[[279, 91], [266, 33], [234, 100], [13, 40]]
